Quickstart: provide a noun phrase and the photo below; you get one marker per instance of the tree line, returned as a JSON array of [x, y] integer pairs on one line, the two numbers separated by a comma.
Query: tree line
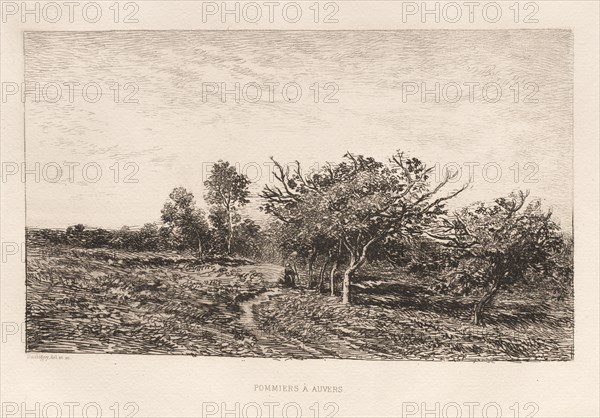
[[184, 226], [361, 210], [331, 221]]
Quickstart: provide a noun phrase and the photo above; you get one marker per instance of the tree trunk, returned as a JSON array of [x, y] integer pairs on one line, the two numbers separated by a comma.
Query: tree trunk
[[332, 276], [200, 250], [230, 234], [322, 274], [346, 294], [357, 259], [311, 261], [348, 274], [480, 306], [296, 277], [334, 269]]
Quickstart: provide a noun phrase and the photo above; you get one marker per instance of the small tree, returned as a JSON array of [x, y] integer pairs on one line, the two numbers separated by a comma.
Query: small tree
[[96, 238], [75, 234], [121, 238], [185, 222], [148, 238], [227, 190], [247, 239], [498, 244]]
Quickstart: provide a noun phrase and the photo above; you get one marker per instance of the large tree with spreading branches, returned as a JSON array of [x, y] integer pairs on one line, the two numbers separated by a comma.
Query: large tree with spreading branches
[[359, 202]]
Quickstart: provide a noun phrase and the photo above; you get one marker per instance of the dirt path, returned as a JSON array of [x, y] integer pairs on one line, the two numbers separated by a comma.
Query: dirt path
[[268, 341], [247, 318], [274, 344], [271, 343], [342, 344]]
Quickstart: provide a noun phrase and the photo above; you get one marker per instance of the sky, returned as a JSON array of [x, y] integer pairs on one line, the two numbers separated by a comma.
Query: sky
[[367, 104]]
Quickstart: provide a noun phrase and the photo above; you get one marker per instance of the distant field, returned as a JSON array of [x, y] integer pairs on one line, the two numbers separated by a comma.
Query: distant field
[[106, 301]]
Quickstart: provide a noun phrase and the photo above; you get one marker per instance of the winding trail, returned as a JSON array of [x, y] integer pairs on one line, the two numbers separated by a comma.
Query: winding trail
[[273, 344], [247, 318]]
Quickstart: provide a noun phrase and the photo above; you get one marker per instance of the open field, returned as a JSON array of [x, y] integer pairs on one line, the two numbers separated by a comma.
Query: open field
[[118, 302], [106, 301]]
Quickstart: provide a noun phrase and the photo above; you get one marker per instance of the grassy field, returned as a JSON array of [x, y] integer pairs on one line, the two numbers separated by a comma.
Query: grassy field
[[399, 316], [105, 301]]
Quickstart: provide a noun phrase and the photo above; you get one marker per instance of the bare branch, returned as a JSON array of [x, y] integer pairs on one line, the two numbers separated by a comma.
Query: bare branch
[[398, 160], [439, 200]]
